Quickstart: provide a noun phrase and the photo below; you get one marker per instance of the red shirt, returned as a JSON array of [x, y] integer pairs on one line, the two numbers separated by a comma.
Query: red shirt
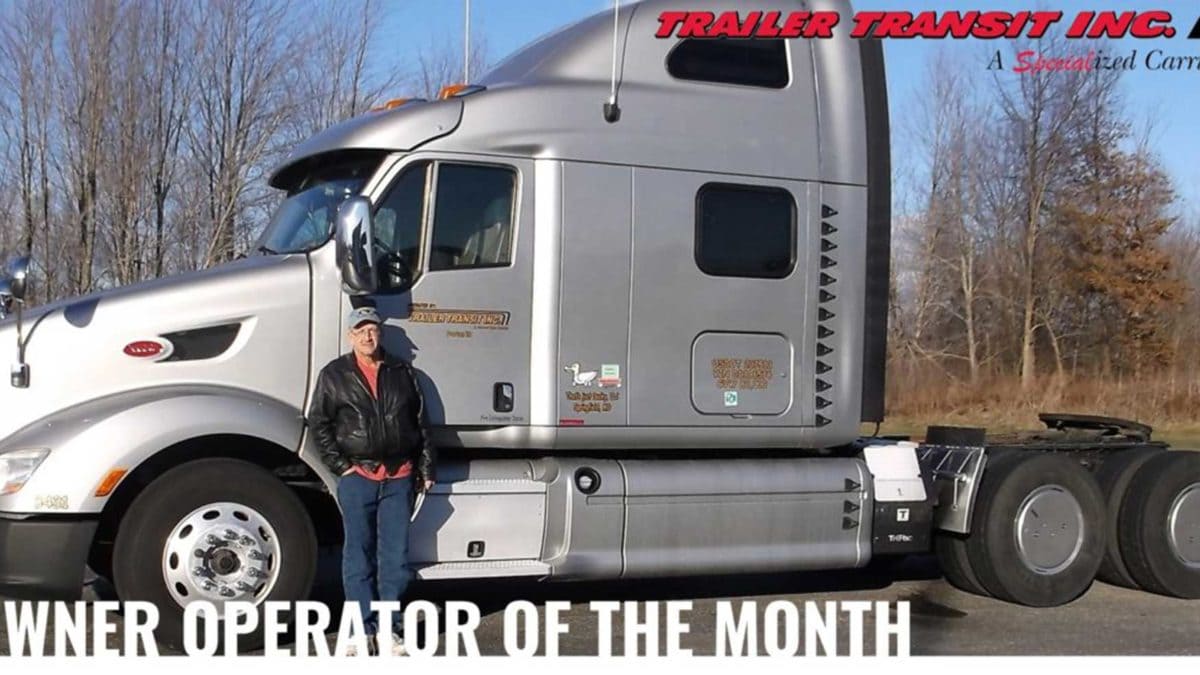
[[370, 372]]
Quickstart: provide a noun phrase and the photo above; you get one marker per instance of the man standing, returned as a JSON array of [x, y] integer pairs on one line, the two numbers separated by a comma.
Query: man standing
[[368, 417]]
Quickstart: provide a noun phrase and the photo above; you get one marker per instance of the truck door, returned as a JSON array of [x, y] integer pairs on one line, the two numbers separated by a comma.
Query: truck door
[[456, 279]]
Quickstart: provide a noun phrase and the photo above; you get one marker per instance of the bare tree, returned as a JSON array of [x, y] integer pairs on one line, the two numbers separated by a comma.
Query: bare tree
[[337, 82], [244, 67], [167, 82], [440, 63], [85, 96], [1037, 110], [26, 45]]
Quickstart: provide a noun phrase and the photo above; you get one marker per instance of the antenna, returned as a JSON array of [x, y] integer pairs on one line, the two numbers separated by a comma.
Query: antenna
[[612, 111], [467, 42]]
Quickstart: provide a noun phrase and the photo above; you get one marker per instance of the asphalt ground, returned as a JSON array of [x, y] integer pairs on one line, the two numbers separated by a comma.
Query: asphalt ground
[[944, 621]]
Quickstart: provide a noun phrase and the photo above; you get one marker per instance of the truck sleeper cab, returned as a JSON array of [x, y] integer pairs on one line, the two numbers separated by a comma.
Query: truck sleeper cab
[[647, 344]]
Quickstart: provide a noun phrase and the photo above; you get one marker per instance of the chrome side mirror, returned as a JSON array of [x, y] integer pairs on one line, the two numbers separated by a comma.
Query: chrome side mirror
[[356, 247], [17, 273], [13, 287]]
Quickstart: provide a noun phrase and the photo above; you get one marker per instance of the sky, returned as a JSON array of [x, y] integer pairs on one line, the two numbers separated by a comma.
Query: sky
[[1170, 99]]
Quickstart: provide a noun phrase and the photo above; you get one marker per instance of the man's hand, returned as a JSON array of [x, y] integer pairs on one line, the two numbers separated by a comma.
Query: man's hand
[[349, 471], [427, 486]]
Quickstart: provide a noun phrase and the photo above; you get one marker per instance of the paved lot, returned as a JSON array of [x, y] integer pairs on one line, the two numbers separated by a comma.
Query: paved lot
[[1108, 620]]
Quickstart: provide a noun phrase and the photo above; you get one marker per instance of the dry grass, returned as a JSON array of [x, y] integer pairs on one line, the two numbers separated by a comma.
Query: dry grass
[[1169, 405]]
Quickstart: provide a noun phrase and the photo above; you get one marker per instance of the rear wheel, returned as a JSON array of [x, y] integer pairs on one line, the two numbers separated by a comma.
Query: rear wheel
[[951, 552], [1114, 477], [215, 530], [1037, 534], [1159, 525]]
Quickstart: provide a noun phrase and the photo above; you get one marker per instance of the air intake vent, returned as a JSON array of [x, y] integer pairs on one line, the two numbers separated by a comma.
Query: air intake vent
[[201, 343]]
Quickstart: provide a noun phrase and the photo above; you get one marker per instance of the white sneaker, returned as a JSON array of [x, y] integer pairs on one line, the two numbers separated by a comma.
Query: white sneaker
[[398, 648]]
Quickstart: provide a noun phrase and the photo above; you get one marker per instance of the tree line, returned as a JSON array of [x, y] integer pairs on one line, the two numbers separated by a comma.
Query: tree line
[[136, 136], [1043, 257]]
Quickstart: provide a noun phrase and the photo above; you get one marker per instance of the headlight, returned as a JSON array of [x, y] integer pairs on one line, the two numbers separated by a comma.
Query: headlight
[[17, 467]]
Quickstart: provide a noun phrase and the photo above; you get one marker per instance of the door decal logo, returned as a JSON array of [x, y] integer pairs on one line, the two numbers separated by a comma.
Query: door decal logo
[[484, 319], [731, 399], [581, 378], [610, 376], [593, 401]]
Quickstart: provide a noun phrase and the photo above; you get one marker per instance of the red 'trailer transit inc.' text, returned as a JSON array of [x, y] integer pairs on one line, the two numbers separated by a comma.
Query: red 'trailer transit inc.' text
[[986, 25]]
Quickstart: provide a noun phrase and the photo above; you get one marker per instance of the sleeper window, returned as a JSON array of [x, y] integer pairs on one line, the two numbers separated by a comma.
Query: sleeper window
[[745, 231], [748, 62]]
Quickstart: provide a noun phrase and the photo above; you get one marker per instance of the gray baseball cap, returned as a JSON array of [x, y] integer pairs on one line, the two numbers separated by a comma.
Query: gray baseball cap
[[362, 315]]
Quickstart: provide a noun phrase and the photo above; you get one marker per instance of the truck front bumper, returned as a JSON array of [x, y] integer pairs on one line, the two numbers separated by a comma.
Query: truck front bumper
[[44, 558]]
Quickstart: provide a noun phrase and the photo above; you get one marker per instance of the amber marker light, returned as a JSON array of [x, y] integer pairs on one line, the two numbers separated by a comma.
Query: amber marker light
[[110, 482], [451, 90], [390, 105]]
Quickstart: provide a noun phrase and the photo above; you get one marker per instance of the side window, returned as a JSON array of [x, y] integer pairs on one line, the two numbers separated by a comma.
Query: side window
[[398, 224], [745, 231], [749, 62], [473, 217]]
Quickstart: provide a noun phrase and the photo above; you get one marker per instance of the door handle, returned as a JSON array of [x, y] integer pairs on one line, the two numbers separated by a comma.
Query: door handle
[[502, 397]]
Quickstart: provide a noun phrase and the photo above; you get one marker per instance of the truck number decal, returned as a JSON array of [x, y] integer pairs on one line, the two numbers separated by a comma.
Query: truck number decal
[[51, 502]]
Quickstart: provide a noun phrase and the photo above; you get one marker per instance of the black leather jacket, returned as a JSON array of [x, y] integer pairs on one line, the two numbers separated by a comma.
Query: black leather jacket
[[353, 428]]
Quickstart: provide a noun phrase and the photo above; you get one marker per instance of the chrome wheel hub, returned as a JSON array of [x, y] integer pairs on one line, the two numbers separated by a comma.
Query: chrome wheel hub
[[219, 553], [1183, 526], [1049, 529]]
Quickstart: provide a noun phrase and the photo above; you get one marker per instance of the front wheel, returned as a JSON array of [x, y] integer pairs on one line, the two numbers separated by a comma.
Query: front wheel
[[215, 530]]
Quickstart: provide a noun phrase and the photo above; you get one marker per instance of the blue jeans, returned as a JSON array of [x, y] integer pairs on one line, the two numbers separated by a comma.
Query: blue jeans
[[375, 517]]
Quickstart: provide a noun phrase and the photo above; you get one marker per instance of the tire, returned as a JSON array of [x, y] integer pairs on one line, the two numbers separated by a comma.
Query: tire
[[1023, 498], [1114, 476], [175, 514], [1159, 525], [951, 549]]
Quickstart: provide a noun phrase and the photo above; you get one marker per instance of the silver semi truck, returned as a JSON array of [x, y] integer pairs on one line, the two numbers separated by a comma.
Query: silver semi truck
[[644, 282]]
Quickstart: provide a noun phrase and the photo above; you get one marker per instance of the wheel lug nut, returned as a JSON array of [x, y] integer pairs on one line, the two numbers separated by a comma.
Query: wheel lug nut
[[246, 541], [200, 572], [244, 587], [231, 535], [198, 553], [255, 573], [254, 554], [226, 592]]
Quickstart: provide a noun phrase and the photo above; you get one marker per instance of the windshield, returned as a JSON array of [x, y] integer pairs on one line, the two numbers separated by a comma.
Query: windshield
[[305, 219]]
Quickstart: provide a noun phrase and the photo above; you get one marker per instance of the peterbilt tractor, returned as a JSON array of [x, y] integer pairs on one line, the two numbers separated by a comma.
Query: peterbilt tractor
[[645, 287]]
